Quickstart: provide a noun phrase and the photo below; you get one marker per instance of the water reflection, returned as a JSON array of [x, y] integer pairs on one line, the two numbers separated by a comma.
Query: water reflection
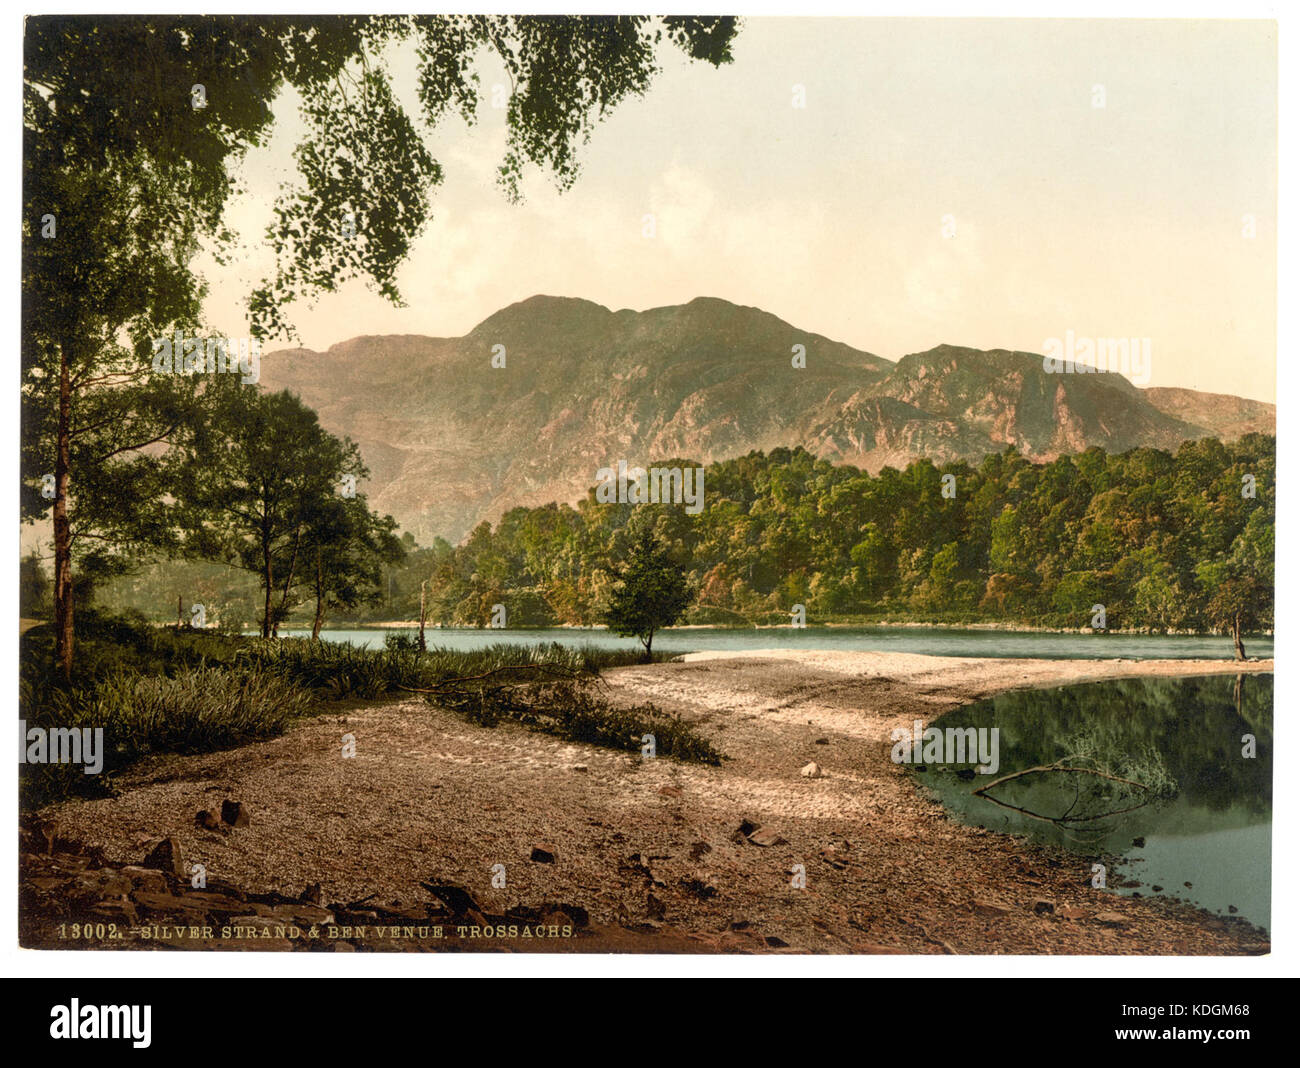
[[1173, 776]]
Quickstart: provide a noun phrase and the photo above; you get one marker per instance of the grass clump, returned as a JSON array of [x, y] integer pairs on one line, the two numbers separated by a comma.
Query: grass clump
[[545, 687], [339, 669], [577, 713], [159, 690], [194, 710]]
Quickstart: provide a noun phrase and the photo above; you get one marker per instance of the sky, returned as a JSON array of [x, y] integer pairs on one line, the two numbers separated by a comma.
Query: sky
[[989, 183]]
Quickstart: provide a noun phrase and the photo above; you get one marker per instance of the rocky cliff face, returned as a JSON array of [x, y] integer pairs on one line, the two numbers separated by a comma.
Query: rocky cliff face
[[451, 439]]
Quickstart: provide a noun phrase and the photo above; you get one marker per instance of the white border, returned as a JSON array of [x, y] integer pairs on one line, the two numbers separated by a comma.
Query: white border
[[1285, 958]]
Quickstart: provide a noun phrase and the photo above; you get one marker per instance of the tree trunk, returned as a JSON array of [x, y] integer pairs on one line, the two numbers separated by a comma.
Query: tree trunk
[[268, 580], [423, 647], [320, 602], [288, 583], [63, 637], [649, 638], [1238, 648], [180, 612]]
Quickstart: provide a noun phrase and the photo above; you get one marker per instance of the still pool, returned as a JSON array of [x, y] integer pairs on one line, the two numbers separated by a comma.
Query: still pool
[[1165, 788]]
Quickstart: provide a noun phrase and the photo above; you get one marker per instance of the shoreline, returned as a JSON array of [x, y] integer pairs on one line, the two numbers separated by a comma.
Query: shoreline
[[995, 627], [655, 848]]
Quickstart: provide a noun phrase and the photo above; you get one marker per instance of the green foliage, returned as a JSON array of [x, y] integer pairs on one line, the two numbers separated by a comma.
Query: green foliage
[[1151, 536], [34, 590], [123, 643], [264, 495], [152, 689], [230, 595], [341, 669], [650, 592], [345, 550], [579, 714], [365, 163], [194, 710], [336, 669]]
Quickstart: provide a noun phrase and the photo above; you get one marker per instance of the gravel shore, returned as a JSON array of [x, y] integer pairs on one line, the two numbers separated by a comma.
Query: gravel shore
[[707, 856]]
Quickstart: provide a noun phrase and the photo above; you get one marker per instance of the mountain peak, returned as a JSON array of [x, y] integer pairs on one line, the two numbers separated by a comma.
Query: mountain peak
[[453, 438], [542, 310]]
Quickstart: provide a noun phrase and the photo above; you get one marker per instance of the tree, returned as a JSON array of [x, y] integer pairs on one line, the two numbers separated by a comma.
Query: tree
[[89, 404], [1240, 584], [260, 494], [132, 127], [33, 588], [1234, 607], [651, 592], [347, 546]]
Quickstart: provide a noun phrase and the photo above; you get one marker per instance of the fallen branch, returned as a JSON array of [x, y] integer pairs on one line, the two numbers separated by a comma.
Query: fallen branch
[[981, 791]]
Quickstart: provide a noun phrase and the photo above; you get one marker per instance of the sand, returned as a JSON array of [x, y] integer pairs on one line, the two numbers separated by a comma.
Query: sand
[[653, 845]]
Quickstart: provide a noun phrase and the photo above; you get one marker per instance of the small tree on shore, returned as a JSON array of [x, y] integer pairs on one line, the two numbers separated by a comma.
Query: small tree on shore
[[651, 592], [1240, 585], [1237, 605], [347, 547]]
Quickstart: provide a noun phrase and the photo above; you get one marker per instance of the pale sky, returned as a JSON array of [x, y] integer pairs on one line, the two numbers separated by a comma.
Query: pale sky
[[1126, 220]]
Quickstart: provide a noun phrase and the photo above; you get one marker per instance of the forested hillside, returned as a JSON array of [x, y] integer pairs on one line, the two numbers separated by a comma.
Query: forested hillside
[[1153, 537]]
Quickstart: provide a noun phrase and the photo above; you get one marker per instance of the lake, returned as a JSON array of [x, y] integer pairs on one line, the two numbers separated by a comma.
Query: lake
[[936, 641], [1200, 831]]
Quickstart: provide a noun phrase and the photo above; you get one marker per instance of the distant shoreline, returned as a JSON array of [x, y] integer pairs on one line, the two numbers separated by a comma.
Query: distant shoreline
[[1011, 628]]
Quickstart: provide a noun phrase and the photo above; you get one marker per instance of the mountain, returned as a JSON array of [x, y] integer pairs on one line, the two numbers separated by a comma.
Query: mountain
[[1225, 416], [957, 403], [452, 440]]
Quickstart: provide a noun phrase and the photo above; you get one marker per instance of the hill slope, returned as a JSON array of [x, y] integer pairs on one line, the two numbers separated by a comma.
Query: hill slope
[[452, 440]]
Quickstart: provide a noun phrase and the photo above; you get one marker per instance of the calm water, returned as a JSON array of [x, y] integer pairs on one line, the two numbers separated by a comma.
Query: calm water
[[933, 640], [1211, 825]]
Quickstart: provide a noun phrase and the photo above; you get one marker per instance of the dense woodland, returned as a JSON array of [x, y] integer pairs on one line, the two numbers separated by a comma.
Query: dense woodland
[[1165, 542]]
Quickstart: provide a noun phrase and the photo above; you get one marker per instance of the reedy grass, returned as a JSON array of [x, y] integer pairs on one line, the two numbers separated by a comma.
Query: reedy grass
[[342, 669], [195, 710], [546, 687], [154, 690]]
